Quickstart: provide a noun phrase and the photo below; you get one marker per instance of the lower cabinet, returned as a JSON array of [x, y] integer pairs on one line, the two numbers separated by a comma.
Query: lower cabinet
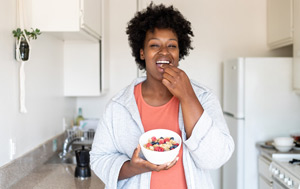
[[265, 176]]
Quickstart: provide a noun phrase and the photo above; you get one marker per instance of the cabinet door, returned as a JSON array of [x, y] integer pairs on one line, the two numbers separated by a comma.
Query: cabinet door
[[55, 15], [82, 68], [280, 23], [264, 184], [91, 16], [67, 19], [296, 48]]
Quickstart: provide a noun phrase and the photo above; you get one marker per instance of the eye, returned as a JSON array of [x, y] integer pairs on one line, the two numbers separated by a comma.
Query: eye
[[172, 46], [154, 45]]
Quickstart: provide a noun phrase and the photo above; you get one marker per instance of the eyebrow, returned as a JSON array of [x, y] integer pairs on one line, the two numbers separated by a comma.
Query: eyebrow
[[159, 39]]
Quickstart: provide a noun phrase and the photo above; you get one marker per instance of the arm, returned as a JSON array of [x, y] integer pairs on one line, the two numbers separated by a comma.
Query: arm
[[179, 85], [208, 138]]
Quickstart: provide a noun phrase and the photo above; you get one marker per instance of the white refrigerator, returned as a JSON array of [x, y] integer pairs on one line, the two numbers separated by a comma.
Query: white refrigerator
[[259, 104]]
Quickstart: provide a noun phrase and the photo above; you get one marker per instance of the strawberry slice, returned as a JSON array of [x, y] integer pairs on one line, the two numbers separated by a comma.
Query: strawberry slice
[[161, 141], [148, 145]]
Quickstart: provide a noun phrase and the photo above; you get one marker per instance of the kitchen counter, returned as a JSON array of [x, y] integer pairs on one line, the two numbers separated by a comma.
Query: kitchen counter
[[57, 176], [268, 152]]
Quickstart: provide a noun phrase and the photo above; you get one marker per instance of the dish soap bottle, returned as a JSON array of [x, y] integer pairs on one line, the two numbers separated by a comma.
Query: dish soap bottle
[[79, 117]]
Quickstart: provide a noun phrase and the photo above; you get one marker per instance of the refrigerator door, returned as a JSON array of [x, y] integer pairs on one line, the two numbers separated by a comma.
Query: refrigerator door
[[233, 170], [233, 87]]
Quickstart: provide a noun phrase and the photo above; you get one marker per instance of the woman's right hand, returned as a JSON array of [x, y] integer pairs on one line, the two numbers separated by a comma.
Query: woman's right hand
[[138, 165]]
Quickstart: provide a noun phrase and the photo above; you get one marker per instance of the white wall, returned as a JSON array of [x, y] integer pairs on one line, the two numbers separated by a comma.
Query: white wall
[[45, 103]]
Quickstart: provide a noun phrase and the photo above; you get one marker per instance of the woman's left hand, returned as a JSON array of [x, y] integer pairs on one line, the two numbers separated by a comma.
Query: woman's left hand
[[177, 82]]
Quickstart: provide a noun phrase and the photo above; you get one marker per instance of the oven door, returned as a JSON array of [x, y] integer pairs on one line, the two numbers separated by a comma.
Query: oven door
[[277, 184]]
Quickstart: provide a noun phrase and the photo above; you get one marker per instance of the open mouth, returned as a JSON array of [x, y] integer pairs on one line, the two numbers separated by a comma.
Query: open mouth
[[163, 62]]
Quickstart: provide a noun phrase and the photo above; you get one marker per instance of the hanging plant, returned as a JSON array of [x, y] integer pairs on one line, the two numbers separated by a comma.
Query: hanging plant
[[22, 42]]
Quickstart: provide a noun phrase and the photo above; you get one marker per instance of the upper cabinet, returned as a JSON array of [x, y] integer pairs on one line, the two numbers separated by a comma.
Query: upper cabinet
[[279, 23], [67, 19], [296, 47]]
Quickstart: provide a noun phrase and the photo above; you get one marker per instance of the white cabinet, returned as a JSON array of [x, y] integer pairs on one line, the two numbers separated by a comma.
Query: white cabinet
[[67, 19], [84, 71], [78, 24], [279, 23], [296, 47]]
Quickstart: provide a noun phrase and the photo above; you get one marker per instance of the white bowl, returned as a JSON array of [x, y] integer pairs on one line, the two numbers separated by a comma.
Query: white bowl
[[284, 148], [284, 141], [156, 157]]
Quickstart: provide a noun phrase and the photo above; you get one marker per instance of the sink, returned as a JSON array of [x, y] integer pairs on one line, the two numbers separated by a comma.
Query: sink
[[70, 158]]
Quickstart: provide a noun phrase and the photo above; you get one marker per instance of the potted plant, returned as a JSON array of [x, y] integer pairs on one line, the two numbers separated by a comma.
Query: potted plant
[[22, 42]]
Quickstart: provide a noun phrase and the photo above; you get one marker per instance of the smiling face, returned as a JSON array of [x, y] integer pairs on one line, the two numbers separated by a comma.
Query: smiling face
[[160, 47]]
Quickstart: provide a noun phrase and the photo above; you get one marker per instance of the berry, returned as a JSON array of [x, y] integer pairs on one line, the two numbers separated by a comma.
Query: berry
[[153, 139], [161, 141], [148, 145], [167, 140], [172, 138], [176, 144]]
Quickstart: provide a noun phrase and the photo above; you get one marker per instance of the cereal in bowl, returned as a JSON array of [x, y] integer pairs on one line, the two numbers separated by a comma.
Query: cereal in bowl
[[161, 144]]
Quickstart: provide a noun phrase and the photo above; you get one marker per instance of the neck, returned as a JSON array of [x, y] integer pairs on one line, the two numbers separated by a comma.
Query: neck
[[155, 93]]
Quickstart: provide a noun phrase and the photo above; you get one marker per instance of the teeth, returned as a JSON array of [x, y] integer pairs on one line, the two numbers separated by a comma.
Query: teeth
[[163, 62]]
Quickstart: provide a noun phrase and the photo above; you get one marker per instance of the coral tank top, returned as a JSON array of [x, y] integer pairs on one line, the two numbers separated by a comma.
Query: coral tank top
[[162, 117]]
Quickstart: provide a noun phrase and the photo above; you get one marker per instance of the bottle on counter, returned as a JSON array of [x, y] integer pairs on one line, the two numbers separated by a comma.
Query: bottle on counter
[[79, 117]]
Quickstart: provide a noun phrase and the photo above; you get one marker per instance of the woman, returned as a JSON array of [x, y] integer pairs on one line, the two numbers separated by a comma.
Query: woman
[[159, 37]]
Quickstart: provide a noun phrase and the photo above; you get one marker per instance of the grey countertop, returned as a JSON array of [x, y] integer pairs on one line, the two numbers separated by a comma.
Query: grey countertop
[[58, 176], [267, 152]]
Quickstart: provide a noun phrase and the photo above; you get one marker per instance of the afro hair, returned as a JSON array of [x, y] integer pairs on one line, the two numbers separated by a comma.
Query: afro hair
[[161, 17]]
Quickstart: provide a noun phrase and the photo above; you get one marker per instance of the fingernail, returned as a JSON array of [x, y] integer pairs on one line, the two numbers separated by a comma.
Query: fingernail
[[168, 163], [177, 158]]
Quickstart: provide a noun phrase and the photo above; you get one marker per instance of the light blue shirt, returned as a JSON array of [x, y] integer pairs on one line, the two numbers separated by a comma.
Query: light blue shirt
[[117, 135]]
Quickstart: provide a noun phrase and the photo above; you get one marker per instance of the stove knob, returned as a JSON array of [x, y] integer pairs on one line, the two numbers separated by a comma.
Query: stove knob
[[286, 180], [273, 170], [290, 183], [281, 175], [276, 172]]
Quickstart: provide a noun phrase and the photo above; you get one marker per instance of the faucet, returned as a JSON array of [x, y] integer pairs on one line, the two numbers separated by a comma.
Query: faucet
[[67, 143]]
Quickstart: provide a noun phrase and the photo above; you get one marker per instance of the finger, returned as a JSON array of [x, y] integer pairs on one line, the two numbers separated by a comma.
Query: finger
[[172, 163], [172, 70], [136, 151], [167, 83], [159, 167], [168, 77]]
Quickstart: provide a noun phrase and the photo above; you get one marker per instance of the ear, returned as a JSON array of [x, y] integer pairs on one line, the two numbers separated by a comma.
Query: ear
[[142, 56]]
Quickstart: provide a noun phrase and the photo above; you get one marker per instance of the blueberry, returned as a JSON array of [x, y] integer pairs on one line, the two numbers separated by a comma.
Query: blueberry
[[153, 143], [172, 138], [161, 137]]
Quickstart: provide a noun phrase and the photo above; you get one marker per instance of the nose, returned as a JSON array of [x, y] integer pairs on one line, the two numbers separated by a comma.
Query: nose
[[164, 50]]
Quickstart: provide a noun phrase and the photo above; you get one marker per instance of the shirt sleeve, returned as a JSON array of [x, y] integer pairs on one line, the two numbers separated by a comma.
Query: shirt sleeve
[[106, 160], [210, 143]]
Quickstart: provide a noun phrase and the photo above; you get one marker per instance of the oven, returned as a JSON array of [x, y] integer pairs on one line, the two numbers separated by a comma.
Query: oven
[[284, 174], [278, 185]]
